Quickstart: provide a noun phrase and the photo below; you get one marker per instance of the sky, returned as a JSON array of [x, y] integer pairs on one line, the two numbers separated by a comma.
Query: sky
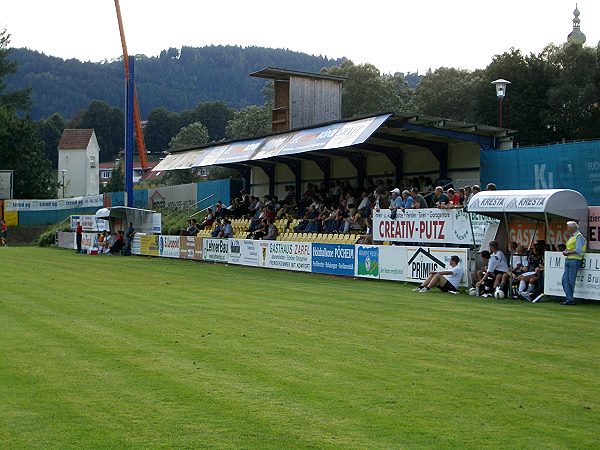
[[395, 36]]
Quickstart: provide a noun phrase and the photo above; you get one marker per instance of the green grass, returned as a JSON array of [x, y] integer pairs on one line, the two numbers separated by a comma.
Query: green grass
[[109, 352]]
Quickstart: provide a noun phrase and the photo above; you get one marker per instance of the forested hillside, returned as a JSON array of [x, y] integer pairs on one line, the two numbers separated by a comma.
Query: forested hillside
[[175, 80]]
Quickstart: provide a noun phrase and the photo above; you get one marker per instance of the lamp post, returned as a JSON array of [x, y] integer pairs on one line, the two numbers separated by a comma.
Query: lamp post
[[63, 171], [501, 86]]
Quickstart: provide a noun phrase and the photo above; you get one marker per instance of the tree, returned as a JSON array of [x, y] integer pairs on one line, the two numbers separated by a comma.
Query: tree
[[50, 130], [192, 135], [189, 136], [448, 92], [22, 152], [249, 122], [366, 91], [15, 100], [108, 123], [162, 126], [20, 144], [116, 183], [213, 115]]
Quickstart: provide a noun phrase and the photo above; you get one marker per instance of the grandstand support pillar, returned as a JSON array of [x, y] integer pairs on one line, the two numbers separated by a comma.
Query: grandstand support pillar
[[246, 173], [323, 163], [269, 170], [440, 151], [359, 162]]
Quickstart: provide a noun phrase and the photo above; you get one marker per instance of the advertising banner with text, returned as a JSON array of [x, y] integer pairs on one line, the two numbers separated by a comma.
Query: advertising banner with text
[[168, 246], [215, 250], [587, 285], [187, 247], [594, 228], [432, 225], [392, 262], [149, 245], [333, 259], [244, 252], [419, 262], [285, 255]]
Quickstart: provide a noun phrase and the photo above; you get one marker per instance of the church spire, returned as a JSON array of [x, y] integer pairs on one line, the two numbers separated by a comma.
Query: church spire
[[576, 36]]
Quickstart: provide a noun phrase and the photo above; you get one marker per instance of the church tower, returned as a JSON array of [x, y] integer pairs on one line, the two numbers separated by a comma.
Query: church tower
[[576, 36]]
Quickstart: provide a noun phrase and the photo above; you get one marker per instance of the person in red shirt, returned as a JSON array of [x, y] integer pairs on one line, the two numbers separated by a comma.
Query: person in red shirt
[[3, 231], [78, 236]]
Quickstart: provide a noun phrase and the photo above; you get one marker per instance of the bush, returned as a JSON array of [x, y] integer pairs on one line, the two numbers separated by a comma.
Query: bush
[[47, 238]]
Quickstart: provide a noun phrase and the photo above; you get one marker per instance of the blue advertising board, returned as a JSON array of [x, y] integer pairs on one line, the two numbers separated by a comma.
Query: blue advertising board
[[333, 259]]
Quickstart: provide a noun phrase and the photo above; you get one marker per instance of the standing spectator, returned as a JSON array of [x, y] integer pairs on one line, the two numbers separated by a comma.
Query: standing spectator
[[78, 236], [407, 200], [491, 187], [474, 190], [439, 199], [419, 201], [576, 247], [3, 231], [129, 235], [381, 201]]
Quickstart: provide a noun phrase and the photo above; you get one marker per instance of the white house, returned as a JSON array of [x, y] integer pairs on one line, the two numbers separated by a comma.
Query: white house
[[78, 162]]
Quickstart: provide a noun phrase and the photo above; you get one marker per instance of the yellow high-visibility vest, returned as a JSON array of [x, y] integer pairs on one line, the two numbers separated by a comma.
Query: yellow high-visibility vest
[[572, 245]]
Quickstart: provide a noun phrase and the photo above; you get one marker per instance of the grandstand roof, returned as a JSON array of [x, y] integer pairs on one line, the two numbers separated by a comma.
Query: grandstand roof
[[381, 133]]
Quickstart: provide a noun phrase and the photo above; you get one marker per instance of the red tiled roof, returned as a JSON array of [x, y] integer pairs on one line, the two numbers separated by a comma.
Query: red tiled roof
[[75, 139]]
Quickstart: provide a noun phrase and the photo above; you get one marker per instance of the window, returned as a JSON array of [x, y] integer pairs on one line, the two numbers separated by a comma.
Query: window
[[92, 161]]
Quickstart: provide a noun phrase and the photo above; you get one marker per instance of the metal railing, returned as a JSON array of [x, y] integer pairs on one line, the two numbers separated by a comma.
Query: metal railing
[[212, 205]]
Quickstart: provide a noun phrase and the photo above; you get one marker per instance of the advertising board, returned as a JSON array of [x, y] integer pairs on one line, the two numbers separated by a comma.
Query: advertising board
[[215, 250], [367, 261], [285, 255], [149, 245], [89, 223], [187, 247], [333, 259], [244, 252], [420, 261], [392, 262], [431, 225], [588, 278], [168, 246], [594, 228]]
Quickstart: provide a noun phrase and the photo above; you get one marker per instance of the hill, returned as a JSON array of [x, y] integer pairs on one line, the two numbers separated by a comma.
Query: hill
[[176, 79]]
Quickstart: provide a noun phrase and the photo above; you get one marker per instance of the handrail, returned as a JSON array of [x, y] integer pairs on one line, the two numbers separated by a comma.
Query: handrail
[[204, 209]]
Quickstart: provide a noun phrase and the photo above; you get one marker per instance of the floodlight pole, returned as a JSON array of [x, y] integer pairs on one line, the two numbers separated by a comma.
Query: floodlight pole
[[129, 134], [501, 86]]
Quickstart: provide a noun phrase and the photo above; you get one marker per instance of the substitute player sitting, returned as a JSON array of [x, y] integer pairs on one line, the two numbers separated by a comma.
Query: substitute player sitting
[[446, 280]]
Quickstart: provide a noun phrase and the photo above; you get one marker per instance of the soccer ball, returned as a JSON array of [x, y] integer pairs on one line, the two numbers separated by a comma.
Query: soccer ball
[[473, 291], [499, 293]]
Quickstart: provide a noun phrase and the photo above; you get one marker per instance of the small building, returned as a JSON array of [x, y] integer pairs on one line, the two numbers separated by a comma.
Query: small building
[[78, 155], [107, 169]]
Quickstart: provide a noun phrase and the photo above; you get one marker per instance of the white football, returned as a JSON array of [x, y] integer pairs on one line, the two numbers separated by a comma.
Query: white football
[[473, 291], [499, 293]]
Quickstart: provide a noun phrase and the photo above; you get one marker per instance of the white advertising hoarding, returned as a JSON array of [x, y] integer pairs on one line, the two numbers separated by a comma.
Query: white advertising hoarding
[[432, 225], [96, 201], [419, 262], [244, 252], [286, 255], [215, 250], [588, 278], [392, 261], [89, 223], [168, 246]]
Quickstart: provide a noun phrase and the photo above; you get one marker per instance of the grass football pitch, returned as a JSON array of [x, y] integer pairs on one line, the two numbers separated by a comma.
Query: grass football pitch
[[113, 352]]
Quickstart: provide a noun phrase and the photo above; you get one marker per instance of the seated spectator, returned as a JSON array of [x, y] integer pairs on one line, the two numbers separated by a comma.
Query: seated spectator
[[367, 237], [218, 228], [534, 269], [354, 222], [208, 221], [226, 230], [260, 231], [428, 187], [219, 210], [190, 230], [407, 200], [290, 195], [119, 243], [419, 201], [272, 231], [106, 243], [454, 199], [446, 280]]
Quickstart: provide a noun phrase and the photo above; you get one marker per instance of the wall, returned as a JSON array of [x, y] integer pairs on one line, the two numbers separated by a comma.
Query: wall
[[570, 165], [314, 101], [80, 179]]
